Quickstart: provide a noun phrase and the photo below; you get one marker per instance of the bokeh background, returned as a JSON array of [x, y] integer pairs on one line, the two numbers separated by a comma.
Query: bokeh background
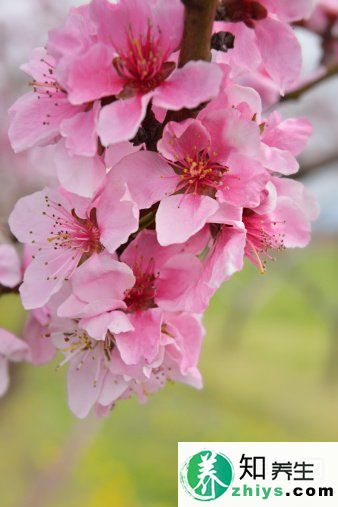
[[270, 358]]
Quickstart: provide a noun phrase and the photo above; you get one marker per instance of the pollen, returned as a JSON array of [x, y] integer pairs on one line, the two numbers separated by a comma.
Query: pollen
[[143, 63], [199, 174]]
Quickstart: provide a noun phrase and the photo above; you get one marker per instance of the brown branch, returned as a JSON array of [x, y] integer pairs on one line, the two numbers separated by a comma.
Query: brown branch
[[196, 45], [199, 18], [296, 94], [317, 165], [7, 290]]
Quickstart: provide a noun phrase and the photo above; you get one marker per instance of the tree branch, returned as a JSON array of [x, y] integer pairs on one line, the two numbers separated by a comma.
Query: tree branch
[[196, 45], [317, 165], [7, 290], [199, 18], [296, 94]]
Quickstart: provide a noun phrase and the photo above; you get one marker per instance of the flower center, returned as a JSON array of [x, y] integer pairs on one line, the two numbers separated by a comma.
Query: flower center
[[69, 231], [262, 236], [48, 87], [141, 296], [199, 174], [142, 64], [79, 344]]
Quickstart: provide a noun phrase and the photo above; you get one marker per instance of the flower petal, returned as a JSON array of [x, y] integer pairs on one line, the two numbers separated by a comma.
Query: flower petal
[[148, 176], [120, 120], [181, 216], [190, 86]]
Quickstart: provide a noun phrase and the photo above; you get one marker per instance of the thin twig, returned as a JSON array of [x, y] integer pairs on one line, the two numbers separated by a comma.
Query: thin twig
[[296, 94], [317, 165], [7, 290]]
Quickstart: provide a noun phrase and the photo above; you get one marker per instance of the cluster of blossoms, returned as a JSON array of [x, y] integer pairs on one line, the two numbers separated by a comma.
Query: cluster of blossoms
[[151, 214]]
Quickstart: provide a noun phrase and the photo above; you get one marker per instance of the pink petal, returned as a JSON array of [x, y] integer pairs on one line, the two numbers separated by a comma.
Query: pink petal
[[116, 322], [115, 153], [290, 135], [238, 95], [83, 388], [143, 343], [81, 175], [146, 248], [227, 214], [280, 50], [117, 215], [176, 289], [148, 176], [12, 347], [277, 160], [27, 221], [80, 132], [244, 182], [229, 132], [292, 223], [74, 37], [10, 266], [36, 66], [102, 277], [182, 139], [120, 120], [72, 307], [112, 389], [193, 84], [299, 195], [296, 10], [113, 21], [4, 376], [92, 75], [41, 348], [35, 122], [180, 217], [188, 337], [42, 280], [245, 54], [169, 17], [225, 258]]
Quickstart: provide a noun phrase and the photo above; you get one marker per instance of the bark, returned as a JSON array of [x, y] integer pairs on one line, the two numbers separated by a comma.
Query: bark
[[199, 18]]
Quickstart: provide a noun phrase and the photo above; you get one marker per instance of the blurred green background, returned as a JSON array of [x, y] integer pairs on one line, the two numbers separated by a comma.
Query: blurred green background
[[270, 370]]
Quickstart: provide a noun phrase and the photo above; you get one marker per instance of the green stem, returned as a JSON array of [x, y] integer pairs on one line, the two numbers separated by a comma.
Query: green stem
[[147, 220]]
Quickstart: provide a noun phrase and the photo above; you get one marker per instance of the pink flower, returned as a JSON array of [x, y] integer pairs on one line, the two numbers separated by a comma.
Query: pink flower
[[282, 140], [37, 336], [130, 297], [223, 254], [125, 53], [283, 220], [290, 11], [121, 260], [97, 375], [11, 349], [10, 266], [263, 35], [206, 164], [45, 114], [83, 176], [64, 229]]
